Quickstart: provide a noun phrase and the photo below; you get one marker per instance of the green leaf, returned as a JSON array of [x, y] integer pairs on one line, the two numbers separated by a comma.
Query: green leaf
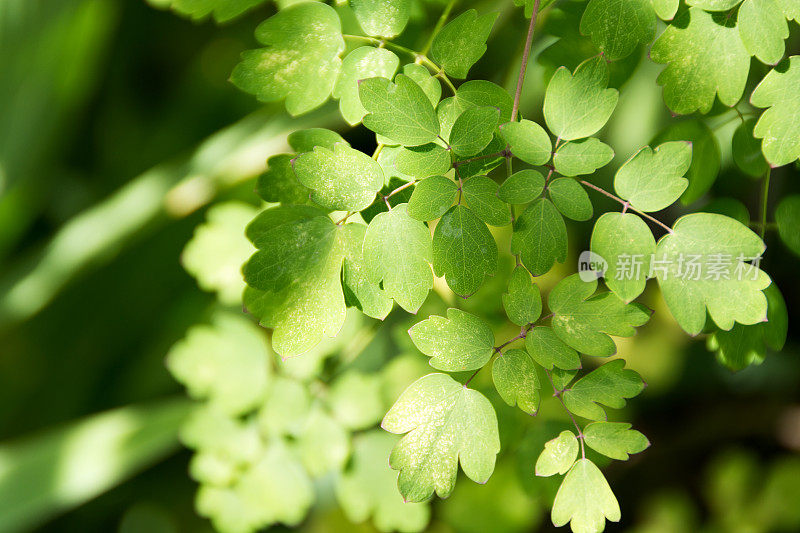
[[730, 207], [763, 28], [779, 126], [218, 249], [705, 57], [355, 400], [423, 161], [305, 140], [462, 42], [295, 277], [473, 130], [618, 26], [706, 156], [361, 63], [528, 141], [585, 320], [609, 385], [562, 378], [585, 500], [382, 18], [459, 342], [301, 60], [428, 83], [652, 180], [485, 160], [383, 202], [715, 245], [397, 251], [791, 9], [521, 187], [577, 106], [220, 10], [341, 179], [480, 194], [540, 237], [514, 376], [226, 363], [368, 488], [280, 184], [399, 111], [746, 150], [324, 445], [387, 159], [558, 456], [614, 439], [666, 9], [464, 250], [285, 408], [522, 301], [432, 197], [446, 423], [787, 216], [582, 157], [627, 245], [479, 93], [570, 198], [549, 351], [360, 290], [714, 5]]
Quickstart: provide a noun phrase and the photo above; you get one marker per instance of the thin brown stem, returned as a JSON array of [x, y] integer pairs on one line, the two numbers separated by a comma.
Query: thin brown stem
[[764, 204], [400, 188], [627, 205], [557, 394], [525, 54]]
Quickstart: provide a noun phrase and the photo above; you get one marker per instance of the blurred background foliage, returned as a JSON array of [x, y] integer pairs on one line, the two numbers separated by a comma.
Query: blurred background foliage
[[120, 136]]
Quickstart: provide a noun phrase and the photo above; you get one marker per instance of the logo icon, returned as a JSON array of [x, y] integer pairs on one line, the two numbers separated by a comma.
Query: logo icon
[[591, 266]]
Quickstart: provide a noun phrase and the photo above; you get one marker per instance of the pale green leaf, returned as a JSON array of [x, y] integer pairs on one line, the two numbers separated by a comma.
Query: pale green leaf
[[387, 159], [787, 216], [432, 197], [514, 376], [521, 187], [549, 351], [446, 423], [570, 198], [473, 130], [779, 126], [616, 27], [666, 9], [791, 9], [397, 251], [218, 249], [705, 58], [582, 157], [480, 194], [324, 445], [462, 42], [459, 342], [355, 400], [614, 439], [522, 301], [305, 140], [220, 10], [477, 93], [746, 150], [714, 5], [705, 155], [210, 429], [584, 320], [341, 179], [701, 266], [577, 106], [652, 180], [400, 111], [382, 18], [608, 385], [423, 161], [285, 408], [763, 29], [225, 363], [360, 290], [464, 250], [558, 456], [627, 245], [528, 141], [429, 84], [301, 60], [368, 488], [361, 63], [562, 378], [585, 500], [540, 237]]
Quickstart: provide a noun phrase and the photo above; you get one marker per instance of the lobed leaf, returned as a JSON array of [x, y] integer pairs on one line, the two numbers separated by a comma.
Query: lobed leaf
[[514, 376], [609, 385], [459, 342]]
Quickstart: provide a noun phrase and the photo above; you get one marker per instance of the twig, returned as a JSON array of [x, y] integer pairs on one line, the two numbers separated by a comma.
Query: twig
[[523, 67], [557, 394], [764, 204], [627, 206]]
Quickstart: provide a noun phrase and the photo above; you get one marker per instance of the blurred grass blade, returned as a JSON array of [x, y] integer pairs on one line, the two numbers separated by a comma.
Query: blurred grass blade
[[46, 474]]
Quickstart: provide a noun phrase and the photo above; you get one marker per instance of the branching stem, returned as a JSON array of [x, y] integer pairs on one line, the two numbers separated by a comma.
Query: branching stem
[[626, 206], [557, 394], [523, 67]]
